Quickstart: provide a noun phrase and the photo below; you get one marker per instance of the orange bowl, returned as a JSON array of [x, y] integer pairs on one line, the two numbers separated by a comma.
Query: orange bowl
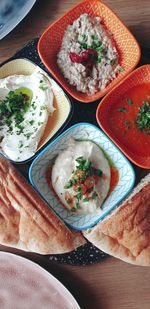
[[127, 47], [117, 114]]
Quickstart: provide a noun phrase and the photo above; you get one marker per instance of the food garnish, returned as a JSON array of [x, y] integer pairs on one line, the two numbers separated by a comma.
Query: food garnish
[[91, 53], [130, 102], [14, 106], [143, 118], [83, 181], [122, 109]]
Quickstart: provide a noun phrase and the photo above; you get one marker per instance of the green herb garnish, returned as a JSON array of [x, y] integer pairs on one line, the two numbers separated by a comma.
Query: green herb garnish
[[83, 180], [121, 69], [94, 195], [96, 45], [14, 107], [86, 199], [40, 123], [113, 61], [143, 118], [130, 102], [31, 122], [20, 144], [43, 87], [68, 184], [122, 109]]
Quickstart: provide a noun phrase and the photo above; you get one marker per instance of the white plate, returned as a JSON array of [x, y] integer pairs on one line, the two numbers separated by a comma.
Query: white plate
[[11, 13], [24, 284]]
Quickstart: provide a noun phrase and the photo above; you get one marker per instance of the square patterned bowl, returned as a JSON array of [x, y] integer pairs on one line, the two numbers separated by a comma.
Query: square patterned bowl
[[62, 104], [38, 168], [50, 43]]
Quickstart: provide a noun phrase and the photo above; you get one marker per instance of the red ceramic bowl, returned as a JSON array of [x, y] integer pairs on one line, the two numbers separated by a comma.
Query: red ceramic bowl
[[117, 114]]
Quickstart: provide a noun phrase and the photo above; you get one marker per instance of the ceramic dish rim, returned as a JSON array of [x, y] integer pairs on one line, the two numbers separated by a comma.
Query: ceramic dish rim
[[65, 133]]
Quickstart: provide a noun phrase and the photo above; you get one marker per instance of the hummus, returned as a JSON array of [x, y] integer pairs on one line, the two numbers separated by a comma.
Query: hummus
[[81, 177], [26, 101]]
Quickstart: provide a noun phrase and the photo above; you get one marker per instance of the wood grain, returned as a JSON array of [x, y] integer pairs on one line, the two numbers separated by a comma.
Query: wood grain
[[135, 14], [111, 284]]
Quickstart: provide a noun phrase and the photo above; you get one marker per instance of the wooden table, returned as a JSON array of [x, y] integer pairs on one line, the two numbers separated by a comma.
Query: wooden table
[[111, 284]]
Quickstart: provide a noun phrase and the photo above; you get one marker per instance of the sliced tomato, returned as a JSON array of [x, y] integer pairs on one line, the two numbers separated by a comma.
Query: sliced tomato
[[75, 187], [89, 182], [83, 189], [79, 173]]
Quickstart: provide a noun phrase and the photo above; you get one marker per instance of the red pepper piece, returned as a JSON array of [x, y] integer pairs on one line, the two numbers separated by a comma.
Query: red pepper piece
[[75, 57]]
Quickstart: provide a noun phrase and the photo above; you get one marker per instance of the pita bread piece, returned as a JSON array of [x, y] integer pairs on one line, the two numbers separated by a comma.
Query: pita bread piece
[[26, 221], [125, 233]]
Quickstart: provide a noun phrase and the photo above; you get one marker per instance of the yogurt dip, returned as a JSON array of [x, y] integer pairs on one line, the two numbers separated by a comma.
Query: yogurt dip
[[81, 176], [26, 102]]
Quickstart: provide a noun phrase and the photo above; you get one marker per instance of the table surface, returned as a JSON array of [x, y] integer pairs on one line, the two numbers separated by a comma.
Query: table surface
[[111, 284]]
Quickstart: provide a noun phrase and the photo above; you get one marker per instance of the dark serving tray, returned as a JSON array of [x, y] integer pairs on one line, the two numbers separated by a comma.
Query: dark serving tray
[[83, 112]]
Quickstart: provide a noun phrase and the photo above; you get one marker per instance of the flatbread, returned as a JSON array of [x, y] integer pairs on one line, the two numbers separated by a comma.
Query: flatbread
[[26, 221], [125, 233]]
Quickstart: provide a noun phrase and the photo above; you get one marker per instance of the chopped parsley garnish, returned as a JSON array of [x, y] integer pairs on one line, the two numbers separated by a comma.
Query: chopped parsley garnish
[[31, 122], [14, 107], [83, 180], [94, 195], [130, 102], [86, 199], [143, 118], [20, 144], [28, 135], [40, 123], [43, 87], [122, 109], [113, 61], [43, 107], [95, 45], [121, 69]]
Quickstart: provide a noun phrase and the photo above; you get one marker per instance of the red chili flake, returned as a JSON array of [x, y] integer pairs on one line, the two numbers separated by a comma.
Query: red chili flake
[[86, 57], [75, 57]]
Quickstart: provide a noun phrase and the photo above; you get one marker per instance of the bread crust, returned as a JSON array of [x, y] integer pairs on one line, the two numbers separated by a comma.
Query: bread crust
[[26, 221], [125, 233]]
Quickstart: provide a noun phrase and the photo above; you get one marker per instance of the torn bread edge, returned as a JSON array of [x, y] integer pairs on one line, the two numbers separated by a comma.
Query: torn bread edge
[[125, 232]]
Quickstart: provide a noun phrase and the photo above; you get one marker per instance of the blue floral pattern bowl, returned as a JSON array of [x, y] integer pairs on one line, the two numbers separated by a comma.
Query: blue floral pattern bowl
[[38, 168]]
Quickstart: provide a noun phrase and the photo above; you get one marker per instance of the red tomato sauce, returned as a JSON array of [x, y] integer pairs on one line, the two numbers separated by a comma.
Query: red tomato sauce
[[129, 136], [114, 179]]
